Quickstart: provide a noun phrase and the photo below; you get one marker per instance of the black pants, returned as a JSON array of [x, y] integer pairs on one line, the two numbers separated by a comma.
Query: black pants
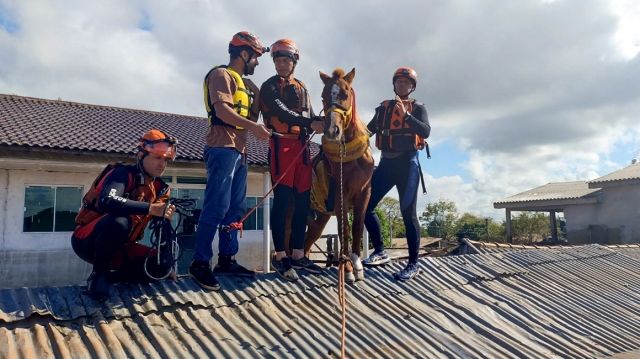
[[282, 196], [403, 173], [107, 246]]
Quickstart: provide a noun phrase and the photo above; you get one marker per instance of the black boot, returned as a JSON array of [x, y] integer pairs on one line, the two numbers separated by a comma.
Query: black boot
[[97, 287], [227, 265], [201, 272]]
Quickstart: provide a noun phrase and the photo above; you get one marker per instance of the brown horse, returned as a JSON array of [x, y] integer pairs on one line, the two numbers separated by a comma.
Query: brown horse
[[345, 158]]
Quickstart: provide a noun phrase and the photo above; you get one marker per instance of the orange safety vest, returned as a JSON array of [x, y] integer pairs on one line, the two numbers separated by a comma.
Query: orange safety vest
[[135, 190], [393, 132], [296, 97]]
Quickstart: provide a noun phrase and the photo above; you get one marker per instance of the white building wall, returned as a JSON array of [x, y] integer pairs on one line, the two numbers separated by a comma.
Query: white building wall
[[615, 220], [47, 259], [30, 259]]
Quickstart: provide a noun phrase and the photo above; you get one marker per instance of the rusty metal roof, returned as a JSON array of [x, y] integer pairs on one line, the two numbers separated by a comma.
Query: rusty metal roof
[[579, 302], [553, 191], [63, 125], [631, 172]]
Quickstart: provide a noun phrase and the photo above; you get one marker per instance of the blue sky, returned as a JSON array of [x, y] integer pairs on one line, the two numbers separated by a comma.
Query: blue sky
[[7, 21]]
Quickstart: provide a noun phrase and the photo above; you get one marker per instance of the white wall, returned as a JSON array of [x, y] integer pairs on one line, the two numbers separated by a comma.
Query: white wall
[[615, 220], [36, 259], [41, 259]]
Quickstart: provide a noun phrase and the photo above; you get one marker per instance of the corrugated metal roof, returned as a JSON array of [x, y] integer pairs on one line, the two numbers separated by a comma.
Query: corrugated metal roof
[[553, 191], [631, 250], [577, 302], [630, 172]]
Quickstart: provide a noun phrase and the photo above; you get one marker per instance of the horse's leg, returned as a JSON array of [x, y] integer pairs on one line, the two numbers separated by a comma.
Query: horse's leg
[[314, 230], [362, 200], [342, 214]]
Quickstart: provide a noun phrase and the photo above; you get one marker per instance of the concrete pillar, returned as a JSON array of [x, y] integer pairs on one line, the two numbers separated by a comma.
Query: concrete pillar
[[554, 229], [365, 243], [266, 228], [508, 225]]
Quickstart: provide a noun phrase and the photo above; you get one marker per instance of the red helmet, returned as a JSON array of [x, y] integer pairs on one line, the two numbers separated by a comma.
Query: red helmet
[[408, 73], [246, 39], [285, 47], [158, 143]]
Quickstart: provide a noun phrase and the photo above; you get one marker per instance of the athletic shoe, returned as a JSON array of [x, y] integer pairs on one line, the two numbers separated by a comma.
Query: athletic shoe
[[376, 259], [306, 264], [228, 266], [410, 271], [284, 269]]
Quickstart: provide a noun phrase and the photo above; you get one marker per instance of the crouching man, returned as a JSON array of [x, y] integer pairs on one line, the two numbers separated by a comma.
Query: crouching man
[[116, 209]]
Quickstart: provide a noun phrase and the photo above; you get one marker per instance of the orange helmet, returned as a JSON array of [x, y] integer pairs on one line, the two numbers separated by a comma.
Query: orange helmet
[[408, 73], [285, 47], [246, 39], [158, 143]]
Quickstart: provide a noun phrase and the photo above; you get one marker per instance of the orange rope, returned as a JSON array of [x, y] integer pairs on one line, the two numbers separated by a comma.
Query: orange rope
[[343, 304], [238, 225]]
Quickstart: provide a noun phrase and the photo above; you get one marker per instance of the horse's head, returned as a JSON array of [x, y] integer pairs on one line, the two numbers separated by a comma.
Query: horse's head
[[338, 103]]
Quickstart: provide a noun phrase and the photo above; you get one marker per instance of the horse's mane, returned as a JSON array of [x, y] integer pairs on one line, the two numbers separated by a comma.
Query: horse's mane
[[360, 128]]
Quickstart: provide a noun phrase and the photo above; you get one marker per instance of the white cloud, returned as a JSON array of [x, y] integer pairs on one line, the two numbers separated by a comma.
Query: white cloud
[[528, 96]]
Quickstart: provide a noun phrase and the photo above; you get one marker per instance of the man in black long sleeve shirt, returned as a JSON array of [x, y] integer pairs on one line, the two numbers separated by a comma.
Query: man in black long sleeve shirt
[[401, 127], [116, 209], [286, 110]]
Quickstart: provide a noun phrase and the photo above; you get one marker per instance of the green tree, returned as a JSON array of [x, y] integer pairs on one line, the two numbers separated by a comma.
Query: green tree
[[440, 218], [470, 226], [478, 228], [530, 226], [390, 207], [497, 231]]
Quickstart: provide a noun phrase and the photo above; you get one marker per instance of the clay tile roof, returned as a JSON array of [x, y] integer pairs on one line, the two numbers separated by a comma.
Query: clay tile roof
[[34, 122]]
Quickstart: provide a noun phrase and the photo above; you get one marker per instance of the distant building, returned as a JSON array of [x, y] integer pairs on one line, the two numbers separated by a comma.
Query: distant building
[[605, 210]]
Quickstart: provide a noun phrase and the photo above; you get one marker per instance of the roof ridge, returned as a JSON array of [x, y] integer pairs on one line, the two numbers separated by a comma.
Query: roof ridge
[[81, 104]]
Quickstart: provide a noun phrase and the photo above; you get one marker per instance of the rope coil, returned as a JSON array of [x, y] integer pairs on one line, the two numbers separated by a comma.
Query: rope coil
[[165, 237]]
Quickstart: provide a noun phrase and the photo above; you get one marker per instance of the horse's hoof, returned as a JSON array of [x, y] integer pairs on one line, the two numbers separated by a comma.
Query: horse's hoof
[[349, 277], [359, 275]]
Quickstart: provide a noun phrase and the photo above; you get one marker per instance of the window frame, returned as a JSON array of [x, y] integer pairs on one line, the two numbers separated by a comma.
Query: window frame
[[55, 197], [174, 185]]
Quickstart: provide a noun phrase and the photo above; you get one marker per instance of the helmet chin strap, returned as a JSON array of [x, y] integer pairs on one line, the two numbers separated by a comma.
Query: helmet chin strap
[[401, 97], [141, 166], [246, 63]]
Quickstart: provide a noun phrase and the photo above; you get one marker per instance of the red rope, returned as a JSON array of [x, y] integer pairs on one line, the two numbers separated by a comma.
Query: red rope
[[238, 225]]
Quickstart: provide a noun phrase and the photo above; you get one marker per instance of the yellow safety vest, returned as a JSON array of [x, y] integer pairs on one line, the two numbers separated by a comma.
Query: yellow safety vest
[[241, 100]]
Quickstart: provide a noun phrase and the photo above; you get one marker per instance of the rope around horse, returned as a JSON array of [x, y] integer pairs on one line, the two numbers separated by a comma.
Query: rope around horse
[[341, 268]]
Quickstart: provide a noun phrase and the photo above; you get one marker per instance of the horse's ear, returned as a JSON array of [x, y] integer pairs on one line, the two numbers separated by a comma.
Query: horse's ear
[[324, 77], [349, 77]]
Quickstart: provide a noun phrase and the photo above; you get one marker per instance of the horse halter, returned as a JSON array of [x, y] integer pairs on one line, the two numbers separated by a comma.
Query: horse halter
[[346, 113]]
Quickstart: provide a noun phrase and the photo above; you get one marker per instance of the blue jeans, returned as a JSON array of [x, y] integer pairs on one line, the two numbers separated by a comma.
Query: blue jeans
[[225, 201]]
